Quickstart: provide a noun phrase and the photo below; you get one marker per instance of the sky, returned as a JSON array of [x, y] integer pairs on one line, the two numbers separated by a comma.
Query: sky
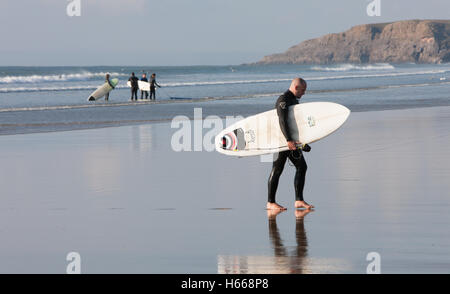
[[181, 32]]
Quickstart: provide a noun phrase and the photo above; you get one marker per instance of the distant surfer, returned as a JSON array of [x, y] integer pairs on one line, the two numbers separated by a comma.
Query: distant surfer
[[153, 85], [109, 83], [290, 97], [144, 79], [134, 86]]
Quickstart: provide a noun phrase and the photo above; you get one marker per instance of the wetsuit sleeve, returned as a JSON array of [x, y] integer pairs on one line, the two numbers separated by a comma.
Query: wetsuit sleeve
[[109, 83], [283, 111]]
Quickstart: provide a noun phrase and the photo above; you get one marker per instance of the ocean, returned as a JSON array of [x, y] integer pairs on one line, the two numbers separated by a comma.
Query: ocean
[[43, 99]]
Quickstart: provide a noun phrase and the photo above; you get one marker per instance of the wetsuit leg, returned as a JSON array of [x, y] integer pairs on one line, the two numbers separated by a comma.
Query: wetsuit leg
[[277, 169], [297, 158], [152, 93]]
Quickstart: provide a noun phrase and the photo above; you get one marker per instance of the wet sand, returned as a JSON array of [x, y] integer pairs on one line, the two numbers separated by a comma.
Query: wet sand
[[128, 203]]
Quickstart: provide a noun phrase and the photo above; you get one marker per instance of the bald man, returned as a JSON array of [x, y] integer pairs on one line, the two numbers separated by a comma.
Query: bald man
[[295, 155]]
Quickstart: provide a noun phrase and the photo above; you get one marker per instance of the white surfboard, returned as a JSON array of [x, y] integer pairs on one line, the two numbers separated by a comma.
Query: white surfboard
[[143, 86], [261, 134], [103, 90]]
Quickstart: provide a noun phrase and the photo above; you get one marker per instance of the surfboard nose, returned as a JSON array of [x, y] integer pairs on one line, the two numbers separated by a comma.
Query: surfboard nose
[[218, 142]]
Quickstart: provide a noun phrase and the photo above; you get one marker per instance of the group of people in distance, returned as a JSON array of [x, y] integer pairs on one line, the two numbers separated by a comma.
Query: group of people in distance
[[134, 81], [135, 86]]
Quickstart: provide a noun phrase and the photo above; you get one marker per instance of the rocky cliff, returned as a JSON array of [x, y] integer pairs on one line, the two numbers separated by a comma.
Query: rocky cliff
[[419, 41]]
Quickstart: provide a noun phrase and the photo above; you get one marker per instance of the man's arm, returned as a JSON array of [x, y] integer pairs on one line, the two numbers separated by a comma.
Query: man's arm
[[283, 111]]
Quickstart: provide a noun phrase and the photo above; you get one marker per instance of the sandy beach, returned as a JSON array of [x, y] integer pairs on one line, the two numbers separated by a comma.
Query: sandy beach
[[127, 203]]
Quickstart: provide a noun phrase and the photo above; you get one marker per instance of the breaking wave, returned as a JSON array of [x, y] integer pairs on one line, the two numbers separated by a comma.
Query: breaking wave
[[122, 84], [350, 67], [27, 79]]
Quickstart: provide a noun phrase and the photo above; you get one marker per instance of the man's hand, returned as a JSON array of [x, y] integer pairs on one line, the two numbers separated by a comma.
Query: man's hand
[[292, 145]]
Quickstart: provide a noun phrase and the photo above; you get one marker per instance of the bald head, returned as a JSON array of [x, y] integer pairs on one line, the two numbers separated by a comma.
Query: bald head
[[298, 87]]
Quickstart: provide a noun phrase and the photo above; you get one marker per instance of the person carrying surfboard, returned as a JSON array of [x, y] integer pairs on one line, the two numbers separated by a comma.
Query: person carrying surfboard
[[134, 86], [144, 79], [290, 97], [152, 87], [112, 86]]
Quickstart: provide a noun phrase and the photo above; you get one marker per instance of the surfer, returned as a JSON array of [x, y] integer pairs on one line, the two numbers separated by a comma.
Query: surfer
[[109, 83], [290, 97], [144, 79], [134, 85], [152, 86]]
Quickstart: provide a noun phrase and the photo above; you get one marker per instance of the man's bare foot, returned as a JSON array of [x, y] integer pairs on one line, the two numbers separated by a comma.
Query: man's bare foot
[[303, 204], [274, 206], [301, 213]]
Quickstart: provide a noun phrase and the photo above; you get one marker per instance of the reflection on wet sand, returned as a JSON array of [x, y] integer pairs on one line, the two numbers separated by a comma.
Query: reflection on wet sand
[[142, 138], [283, 261]]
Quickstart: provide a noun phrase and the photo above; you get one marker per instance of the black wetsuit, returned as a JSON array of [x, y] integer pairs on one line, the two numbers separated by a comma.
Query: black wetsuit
[[142, 92], [296, 157], [134, 86], [107, 94], [152, 88]]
